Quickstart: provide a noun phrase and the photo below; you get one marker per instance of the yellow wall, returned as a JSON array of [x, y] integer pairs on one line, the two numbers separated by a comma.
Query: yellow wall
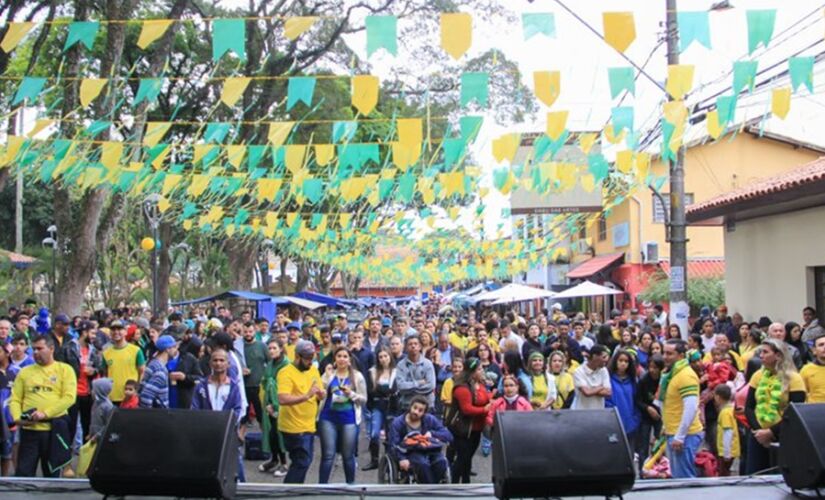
[[710, 170]]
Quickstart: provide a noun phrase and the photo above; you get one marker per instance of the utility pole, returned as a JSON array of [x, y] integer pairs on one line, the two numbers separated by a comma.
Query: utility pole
[[679, 308], [18, 193]]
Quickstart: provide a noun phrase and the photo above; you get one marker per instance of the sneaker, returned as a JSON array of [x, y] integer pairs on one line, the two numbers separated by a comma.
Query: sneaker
[[267, 466], [280, 471]]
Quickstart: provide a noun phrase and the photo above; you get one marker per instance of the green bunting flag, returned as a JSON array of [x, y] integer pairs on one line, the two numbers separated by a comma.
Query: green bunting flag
[[744, 75], [344, 131], [216, 132], [760, 28], [228, 34], [148, 90], [470, 126], [29, 88], [474, 86], [254, 154], [621, 79], [535, 23], [313, 189], [726, 108], [83, 32], [598, 166], [382, 33], [693, 26], [802, 72], [300, 89], [622, 118]]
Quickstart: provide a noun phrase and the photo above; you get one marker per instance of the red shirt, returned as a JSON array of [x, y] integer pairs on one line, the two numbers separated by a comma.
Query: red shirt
[[470, 408], [83, 385], [129, 403]]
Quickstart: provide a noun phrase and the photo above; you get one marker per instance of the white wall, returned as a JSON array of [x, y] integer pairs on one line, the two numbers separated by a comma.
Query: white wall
[[767, 261]]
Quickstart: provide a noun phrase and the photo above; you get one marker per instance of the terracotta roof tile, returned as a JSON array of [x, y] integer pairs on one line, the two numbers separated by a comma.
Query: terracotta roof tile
[[700, 268], [806, 174]]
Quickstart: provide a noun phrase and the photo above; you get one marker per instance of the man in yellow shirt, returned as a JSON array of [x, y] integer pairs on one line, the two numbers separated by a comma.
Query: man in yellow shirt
[[459, 338], [813, 374], [42, 394], [299, 390], [679, 392], [122, 361]]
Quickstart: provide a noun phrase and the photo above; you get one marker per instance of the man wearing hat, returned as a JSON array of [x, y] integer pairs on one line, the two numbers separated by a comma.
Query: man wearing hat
[[154, 387], [459, 339], [122, 361], [299, 390], [293, 331], [341, 326]]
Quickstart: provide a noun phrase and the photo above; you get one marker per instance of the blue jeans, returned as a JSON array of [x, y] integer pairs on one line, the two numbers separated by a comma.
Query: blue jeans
[[337, 438], [429, 466], [375, 424], [682, 464], [300, 448]]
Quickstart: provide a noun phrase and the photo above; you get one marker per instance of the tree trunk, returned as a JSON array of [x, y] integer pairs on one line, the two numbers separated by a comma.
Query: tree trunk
[[284, 262], [242, 256], [350, 284], [301, 277]]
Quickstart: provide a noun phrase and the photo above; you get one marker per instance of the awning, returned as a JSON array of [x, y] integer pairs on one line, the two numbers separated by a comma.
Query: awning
[[587, 289], [592, 266], [700, 268]]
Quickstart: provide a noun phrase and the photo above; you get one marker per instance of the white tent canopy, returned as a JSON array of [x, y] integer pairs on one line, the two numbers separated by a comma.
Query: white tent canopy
[[514, 293], [305, 303], [587, 289]]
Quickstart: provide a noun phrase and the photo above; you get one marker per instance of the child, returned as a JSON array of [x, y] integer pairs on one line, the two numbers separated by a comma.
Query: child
[[130, 397], [727, 433], [102, 407], [719, 370]]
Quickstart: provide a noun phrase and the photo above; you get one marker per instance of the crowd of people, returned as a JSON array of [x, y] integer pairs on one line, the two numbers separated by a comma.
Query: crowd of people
[[421, 385]]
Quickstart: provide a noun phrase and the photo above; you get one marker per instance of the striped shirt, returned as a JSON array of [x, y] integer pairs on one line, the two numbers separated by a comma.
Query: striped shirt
[[154, 388]]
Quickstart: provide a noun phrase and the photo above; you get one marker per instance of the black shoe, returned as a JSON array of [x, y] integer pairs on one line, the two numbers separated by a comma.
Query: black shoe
[[473, 473], [370, 466], [267, 466]]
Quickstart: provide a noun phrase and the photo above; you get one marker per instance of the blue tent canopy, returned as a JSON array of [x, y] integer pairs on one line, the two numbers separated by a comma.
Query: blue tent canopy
[[327, 300], [265, 304]]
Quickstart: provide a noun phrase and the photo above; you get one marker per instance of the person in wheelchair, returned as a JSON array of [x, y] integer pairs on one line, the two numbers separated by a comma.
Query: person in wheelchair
[[417, 439]]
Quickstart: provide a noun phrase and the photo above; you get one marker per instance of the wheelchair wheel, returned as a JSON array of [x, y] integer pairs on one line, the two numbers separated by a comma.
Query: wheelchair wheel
[[386, 470]]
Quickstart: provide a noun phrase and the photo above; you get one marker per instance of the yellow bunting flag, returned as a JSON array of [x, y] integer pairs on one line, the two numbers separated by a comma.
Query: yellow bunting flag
[[161, 157], [547, 86], [619, 29], [452, 183], [611, 135], [235, 154], [715, 128], [294, 155], [556, 123], [14, 34], [624, 161], [411, 135], [679, 80], [781, 102], [324, 153], [505, 147], [155, 132], [588, 182], [296, 26], [278, 132], [233, 89], [170, 182], [151, 30], [456, 33], [200, 151], [586, 142], [642, 166], [12, 148], [163, 204], [40, 125], [353, 188], [675, 112], [364, 93], [267, 189], [198, 185], [90, 88], [403, 156], [110, 153]]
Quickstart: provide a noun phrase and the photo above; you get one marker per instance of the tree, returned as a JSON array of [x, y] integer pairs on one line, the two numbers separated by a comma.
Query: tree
[[701, 291]]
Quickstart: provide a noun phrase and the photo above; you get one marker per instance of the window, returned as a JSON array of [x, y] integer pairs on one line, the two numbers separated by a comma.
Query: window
[[602, 227], [659, 212]]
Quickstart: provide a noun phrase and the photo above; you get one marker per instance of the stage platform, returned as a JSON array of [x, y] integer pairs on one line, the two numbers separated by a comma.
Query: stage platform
[[738, 488]]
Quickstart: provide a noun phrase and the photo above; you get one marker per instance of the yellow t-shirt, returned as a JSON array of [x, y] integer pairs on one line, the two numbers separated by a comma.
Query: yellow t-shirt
[[796, 384], [447, 391], [298, 418], [459, 342], [814, 378], [539, 389], [122, 364], [574, 365], [51, 389], [564, 387], [727, 421], [746, 353], [289, 349], [683, 384]]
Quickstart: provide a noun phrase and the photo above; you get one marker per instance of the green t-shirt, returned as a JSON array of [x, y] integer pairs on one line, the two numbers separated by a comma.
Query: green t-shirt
[[256, 357]]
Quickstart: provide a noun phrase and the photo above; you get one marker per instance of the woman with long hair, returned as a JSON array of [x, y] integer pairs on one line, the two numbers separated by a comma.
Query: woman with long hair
[[532, 342], [622, 370], [426, 340], [643, 349], [747, 344], [673, 332], [382, 400], [272, 441], [793, 337], [473, 402], [651, 413], [542, 389], [565, 387], [657, 348], [345, 394], [510, 400], [771, 389], [605, 337], [492, 372]]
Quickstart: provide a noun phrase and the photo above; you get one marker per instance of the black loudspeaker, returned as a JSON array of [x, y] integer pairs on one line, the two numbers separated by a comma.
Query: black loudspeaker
[[560, 453], [181, 453], [802, 446]]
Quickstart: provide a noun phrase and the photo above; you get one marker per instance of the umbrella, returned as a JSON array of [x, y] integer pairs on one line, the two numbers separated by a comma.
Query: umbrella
[[587, 289], [514, 293]]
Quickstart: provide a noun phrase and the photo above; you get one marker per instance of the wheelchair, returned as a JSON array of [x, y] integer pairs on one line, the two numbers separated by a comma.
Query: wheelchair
[[389, 472]]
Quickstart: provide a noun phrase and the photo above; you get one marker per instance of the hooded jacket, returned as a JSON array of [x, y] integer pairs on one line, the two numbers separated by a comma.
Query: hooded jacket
[[623, 398], [102, 407]]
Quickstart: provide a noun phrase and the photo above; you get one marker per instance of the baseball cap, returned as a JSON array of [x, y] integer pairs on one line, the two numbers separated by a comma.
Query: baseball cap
[[117, 325], [337, 338], [305, 349], [341, 316], [386, 322], [62, 318], [165, 342], [293, 326]]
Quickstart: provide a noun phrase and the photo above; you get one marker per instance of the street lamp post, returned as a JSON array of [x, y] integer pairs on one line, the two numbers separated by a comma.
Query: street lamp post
[[263, 261], [183, 247], [153, 215], [51, 241]]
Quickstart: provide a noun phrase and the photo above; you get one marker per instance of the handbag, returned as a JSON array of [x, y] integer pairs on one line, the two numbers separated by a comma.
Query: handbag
[[458, 423]]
